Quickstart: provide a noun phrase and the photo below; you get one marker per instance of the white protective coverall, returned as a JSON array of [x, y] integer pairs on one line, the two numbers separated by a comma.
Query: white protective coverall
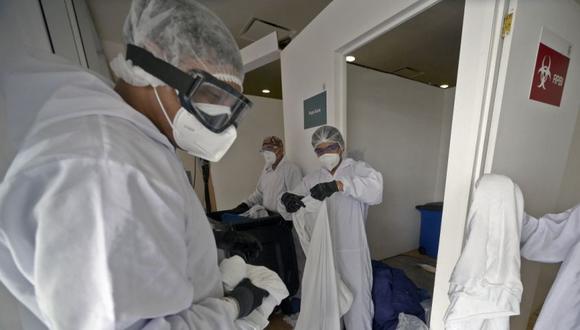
[[273, 183], [347, 213], [99, 227], [551, 239]]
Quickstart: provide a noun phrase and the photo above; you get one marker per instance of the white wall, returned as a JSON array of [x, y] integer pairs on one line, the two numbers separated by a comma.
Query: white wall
[[311, 64], [446, 121], [533, 138], [570, 191], [236, 175], [395, 125]]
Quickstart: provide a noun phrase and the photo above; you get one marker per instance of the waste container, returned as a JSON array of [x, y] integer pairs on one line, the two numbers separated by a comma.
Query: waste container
[[275, 237], [431, 214]]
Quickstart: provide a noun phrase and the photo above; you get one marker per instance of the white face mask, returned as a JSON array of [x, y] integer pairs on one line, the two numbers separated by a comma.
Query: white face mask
[[194, 138], [269, 157], [329, 161]]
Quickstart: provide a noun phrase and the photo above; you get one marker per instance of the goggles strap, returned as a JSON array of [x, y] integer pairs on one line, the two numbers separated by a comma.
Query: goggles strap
[[164, 71]]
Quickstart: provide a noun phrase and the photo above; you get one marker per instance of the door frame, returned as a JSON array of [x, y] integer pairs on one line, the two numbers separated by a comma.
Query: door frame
[[474, 125]]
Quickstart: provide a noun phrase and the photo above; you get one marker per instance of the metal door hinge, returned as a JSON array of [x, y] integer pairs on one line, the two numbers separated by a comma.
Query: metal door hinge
[[507, 24]]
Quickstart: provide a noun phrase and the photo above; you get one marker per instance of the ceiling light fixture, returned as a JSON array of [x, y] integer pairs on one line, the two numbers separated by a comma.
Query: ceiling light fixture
[[266, 91], [350, 58], [444, 86]]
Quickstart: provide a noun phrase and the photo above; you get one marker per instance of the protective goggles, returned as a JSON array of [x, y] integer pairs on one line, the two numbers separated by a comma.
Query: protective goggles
[[271, 143], [330, 149], [196, 89], [269, 147]]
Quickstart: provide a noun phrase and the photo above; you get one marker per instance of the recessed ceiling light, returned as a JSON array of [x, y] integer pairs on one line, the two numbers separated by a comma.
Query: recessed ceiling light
[[266, 91], [350, 58], [444, 86]]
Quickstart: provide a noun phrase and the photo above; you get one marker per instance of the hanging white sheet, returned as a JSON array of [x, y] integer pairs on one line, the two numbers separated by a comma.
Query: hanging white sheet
[[325, 297]]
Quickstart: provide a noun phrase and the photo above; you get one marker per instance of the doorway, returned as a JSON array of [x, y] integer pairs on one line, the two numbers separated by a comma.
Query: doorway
[[400, 93]]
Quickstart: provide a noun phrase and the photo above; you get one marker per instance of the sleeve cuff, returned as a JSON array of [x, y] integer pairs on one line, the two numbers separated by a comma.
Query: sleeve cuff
[[232, 308], [346, 186]]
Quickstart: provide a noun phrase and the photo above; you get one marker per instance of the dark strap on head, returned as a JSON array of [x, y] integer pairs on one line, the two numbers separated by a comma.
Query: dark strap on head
[[164, 71]]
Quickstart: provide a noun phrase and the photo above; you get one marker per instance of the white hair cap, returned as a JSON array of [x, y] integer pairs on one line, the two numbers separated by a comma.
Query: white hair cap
[[327, 134], [183, 33]]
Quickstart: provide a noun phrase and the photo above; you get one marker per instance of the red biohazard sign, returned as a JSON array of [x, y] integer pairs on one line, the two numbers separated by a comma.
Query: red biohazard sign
[[549, 76]]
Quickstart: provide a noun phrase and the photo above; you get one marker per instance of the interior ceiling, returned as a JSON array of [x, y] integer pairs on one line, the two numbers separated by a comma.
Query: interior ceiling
[[294, 15], [428, 43], [265, 77]]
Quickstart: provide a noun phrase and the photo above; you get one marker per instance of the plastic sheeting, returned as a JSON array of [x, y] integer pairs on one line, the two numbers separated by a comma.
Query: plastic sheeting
[[325, 297], [393, 293]]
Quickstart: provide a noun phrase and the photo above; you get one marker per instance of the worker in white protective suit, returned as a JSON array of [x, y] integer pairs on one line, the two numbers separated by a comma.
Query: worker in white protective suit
[[278, 176], [555, 238], [349, 187], [99, 228]]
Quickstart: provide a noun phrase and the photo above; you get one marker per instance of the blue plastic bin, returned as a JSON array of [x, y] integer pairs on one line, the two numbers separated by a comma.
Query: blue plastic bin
[[430, 228]]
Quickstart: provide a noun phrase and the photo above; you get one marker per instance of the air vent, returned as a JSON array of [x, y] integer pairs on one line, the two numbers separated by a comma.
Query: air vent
[[408, 72], [257, 28]]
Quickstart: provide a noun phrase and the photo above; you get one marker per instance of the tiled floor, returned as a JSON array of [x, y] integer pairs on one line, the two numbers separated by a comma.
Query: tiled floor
[[409, 262]]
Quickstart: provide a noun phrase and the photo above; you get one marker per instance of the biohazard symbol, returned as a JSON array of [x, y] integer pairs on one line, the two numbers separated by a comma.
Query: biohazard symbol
[[544, 72]]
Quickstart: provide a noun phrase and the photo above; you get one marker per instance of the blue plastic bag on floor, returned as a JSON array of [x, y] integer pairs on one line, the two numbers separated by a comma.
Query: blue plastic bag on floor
[[393, 293]]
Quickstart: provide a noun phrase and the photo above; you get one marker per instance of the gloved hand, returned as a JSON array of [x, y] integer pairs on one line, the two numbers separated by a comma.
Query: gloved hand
[[324, 190], [248, 296], [292, 202], [243, 207]]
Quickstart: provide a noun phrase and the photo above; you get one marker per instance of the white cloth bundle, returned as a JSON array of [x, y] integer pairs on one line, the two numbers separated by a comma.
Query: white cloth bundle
[[255, 212], [234, 270], [485, 287]]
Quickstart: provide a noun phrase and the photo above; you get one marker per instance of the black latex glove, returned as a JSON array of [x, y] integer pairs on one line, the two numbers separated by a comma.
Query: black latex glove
[[292, 202], [248, 296], [240, 209], [323, 190]]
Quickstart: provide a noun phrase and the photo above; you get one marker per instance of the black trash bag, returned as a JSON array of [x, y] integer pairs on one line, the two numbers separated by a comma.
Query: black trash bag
[[241, 244]]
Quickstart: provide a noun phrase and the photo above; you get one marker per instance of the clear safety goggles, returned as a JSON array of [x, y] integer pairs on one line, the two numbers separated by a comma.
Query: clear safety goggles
[[196, 90], [269, 147], [330, 149]]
